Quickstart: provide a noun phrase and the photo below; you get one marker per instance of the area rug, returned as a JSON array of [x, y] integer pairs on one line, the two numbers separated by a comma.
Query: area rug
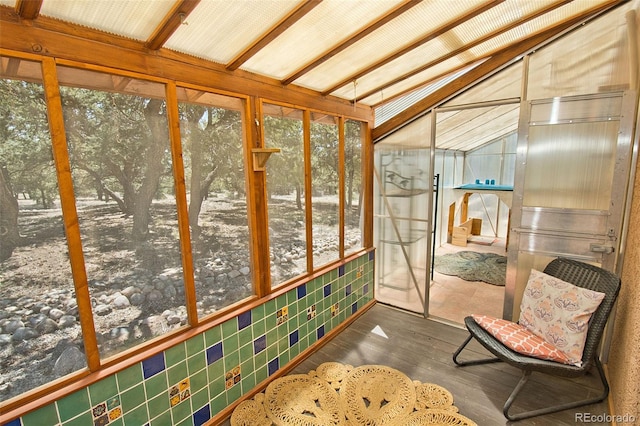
[[471, 266], [339, 394]]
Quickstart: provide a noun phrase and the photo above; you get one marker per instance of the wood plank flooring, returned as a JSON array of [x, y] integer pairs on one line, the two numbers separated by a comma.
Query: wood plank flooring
[[422, 349]]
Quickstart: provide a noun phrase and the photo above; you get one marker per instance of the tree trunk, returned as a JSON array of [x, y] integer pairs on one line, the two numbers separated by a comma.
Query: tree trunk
[[298, 196], [153, 171], [9, 233]]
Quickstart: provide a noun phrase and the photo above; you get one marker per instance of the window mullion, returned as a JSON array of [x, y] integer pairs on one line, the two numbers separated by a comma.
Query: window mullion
[[69, 213]]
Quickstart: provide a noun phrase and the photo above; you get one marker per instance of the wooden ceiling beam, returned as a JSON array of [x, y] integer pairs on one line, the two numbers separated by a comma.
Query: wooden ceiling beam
[[432, 35], [171, 23], [63, 41], [493, 64], [28, 9], [351, 40], [285, 23], [468, 46]]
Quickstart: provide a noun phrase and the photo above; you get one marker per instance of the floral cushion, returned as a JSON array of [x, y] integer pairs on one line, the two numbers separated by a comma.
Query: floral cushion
[[519, 339], [559, 312]]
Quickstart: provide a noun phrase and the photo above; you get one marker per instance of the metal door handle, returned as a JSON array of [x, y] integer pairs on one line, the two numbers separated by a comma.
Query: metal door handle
[[601, 248]]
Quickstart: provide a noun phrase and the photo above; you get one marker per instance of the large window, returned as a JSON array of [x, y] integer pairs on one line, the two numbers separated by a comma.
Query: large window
[[129, 220], [283, 129], [40, 335], [212, 141], [120, 158], [314, 186], [325, 188], [353, 228]]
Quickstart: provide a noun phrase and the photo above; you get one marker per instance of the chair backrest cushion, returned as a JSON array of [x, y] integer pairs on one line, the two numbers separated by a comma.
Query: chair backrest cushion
[[559, 312]]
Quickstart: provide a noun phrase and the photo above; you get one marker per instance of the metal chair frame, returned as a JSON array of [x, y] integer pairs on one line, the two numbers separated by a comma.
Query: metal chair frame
[[582, 275]]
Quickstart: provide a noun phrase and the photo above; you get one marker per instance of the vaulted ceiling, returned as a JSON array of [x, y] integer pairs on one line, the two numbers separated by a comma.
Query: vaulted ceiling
[[365, 51]]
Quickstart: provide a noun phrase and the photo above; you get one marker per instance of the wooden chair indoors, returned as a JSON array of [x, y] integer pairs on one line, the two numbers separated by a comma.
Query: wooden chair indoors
[[527, 356]]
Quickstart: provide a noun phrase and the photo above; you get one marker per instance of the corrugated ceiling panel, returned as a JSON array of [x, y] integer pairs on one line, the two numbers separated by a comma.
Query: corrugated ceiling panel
[[400, 66], [135, 19], [391, 109], [220, 30], [492, 20], [411, 26], [416, 80], [327, 25]]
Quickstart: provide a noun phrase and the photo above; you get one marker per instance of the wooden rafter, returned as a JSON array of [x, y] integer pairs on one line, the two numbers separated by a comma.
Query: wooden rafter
[[292, 17], [28, 9], [467, 47], [171, 23], [432, 35], [387, 17], [498, 60]]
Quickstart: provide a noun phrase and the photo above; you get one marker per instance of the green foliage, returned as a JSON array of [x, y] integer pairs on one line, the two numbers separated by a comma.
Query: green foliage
[[25, 144]]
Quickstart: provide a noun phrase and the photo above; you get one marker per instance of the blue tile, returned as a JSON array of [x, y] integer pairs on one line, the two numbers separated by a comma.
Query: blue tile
[[348, 290], [260, 344], [274, 365], [340, 270], [293, 338], [327, 290], [354, 307], [320, 332], [15, 422], [365, 289], [201, 416], [154, 365], [214, 353], [244, 320], [372, 255], [302, 291]]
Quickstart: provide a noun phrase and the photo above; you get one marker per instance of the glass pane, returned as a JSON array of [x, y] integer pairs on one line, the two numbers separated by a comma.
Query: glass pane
[[212, 139], [401, 225], [283, 129], [353, 227], [592, 59], [123, 182], [570, 165], [325, 198], [40, 335]]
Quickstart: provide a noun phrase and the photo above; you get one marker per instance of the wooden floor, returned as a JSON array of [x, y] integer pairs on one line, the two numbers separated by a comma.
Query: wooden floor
[[422, 350]]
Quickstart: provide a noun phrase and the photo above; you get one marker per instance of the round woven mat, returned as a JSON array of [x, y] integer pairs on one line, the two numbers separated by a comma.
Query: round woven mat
[[377, 395], [301, 399], [437, 417], [338, 394]]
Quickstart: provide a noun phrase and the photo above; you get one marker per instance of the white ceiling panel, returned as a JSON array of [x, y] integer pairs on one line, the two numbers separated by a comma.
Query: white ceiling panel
[[136, 19]]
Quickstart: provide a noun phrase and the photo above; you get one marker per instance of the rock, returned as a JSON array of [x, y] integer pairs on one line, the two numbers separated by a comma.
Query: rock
[[234, 274], [71, 359], [154, 296], [5, 338], [24, 333], [102, 310], [245, 271], [67, 321], [55, 314], [130, 291], [12, 325], [46, 326], [121, 302], [136, 299], [173, 319]]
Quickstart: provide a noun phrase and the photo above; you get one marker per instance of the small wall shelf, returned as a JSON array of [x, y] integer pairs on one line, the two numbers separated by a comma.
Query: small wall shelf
[[260, 157]]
